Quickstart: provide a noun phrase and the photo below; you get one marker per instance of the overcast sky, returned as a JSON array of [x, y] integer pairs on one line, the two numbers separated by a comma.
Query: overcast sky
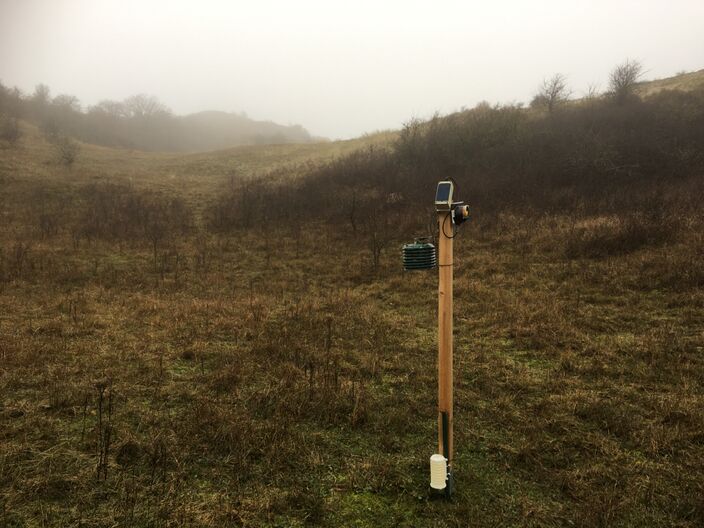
[[339, 68]]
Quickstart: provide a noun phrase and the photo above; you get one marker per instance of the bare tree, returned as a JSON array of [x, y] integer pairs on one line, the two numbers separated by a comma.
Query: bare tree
[[142, 105], [4, 99], [156, 229], [9, 129], [11, 102], [592, 92], [66, 103], [41, 96], [552, 93], [353, 212], [379, 232], [623, 79], [113, 109]]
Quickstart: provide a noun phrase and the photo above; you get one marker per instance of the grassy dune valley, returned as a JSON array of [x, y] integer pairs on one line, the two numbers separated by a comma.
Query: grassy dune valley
[[228, 337]]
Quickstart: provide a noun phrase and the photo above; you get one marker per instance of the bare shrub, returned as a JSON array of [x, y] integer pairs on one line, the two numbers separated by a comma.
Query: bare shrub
[[623, 79], [552, 93], [118, 212], [48, 224], [67, 150], [379, 234], [19, 258], [606, 236]]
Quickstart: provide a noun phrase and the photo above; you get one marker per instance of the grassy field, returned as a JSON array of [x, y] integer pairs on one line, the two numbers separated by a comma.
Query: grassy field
[[273, 377]]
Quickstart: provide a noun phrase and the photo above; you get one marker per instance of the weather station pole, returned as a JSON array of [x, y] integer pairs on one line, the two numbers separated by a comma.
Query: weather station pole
[[445, 446], [421, 255], [450, 214]]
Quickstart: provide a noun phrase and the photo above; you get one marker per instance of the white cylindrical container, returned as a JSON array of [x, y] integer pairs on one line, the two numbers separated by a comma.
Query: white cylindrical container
[[438, 472]]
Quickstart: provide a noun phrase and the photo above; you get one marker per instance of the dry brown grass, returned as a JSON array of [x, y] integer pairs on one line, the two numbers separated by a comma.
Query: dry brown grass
[[280, 381]]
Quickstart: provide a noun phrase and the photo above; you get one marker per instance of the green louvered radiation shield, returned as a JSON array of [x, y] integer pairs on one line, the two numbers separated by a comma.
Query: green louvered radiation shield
[[419, 256]]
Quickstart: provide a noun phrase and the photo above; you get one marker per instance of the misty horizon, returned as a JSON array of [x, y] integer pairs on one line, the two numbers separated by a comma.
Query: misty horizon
[[336, 70]]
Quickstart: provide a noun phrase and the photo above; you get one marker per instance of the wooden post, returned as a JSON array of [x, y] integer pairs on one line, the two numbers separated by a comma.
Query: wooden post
[[445, 446]]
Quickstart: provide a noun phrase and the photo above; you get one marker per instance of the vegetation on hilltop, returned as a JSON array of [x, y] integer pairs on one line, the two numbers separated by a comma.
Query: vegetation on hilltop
[[610, 155], [141, 122]]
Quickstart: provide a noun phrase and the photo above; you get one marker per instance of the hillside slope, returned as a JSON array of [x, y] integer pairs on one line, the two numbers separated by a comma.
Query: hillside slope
[[183, 345], [683, 82], [34, 160]]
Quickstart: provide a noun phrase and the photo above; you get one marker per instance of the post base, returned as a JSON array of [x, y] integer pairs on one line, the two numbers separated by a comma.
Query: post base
[[448, 490]]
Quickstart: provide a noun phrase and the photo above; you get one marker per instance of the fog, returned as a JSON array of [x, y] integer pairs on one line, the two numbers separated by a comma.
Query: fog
[[340, 69]]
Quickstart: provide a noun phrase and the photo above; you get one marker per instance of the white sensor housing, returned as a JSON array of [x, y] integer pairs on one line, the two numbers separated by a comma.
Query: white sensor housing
[[438, 472]]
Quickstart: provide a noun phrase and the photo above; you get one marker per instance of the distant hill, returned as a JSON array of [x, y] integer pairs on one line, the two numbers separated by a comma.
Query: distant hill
[[142, 122], [213, 130]]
